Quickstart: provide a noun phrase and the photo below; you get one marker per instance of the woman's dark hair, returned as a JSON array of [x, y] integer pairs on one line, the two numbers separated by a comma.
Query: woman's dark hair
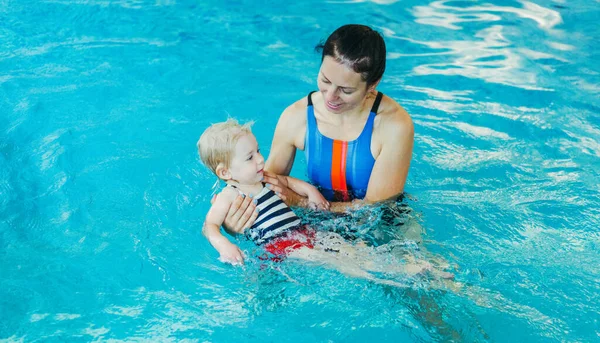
[[359, 47]]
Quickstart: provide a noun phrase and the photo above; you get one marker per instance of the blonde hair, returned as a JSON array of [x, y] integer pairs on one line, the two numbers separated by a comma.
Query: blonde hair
[[217, 143]]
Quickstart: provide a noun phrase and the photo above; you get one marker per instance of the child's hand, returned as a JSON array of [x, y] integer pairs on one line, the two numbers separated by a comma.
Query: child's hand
[[316, 201], [230, 253]]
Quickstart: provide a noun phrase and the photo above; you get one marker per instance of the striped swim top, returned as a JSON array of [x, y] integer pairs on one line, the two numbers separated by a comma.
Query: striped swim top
[[274, 217]]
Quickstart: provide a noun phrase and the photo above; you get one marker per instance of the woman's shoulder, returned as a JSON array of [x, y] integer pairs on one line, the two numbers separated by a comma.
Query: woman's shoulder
[[392, 116], [296, 112], [393, 124], [299, 105]]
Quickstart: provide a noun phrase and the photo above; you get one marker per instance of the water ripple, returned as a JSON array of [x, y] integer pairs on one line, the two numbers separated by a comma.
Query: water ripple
[[479, 131], [51, 149], [439, 13], [522, 114], [489, 59], [6, 191], [439, 94], [379, 2], [491, 54], [129, 4], [85, 42]]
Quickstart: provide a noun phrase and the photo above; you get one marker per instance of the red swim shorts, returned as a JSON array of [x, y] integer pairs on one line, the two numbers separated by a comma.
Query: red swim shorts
[[290, 241]]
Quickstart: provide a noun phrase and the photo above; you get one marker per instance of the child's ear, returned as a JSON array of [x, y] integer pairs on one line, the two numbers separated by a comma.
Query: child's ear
[[222, 172]]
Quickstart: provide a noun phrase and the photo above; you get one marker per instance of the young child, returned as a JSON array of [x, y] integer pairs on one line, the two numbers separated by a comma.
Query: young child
[[230, 150]]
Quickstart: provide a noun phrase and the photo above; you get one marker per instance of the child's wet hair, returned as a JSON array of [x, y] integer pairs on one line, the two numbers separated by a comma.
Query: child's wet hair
[[217, 143]]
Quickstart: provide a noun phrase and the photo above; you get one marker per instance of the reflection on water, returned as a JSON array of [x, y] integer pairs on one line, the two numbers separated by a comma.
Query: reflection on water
[[491, 57], [492, 53], [444, 14], [379, 2]]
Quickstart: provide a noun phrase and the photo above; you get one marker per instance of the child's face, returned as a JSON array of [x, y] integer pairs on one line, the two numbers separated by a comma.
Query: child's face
[[247, 164]]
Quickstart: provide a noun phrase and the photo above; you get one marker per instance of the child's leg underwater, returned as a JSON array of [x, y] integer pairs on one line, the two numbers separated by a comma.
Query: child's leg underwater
[[379, 260], [359, 260], [341, 264]]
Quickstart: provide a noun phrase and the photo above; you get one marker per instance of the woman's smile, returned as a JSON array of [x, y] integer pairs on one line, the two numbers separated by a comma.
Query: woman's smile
[[333, 106]]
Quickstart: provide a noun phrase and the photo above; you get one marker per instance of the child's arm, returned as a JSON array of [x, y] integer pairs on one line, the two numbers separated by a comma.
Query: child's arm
[[315, 198], [229, 252]]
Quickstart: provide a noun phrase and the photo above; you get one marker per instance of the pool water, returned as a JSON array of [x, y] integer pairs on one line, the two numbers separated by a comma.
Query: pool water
[[102, 195]]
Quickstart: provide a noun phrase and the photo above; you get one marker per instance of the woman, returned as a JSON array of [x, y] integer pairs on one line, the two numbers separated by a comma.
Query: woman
[[358, 142]]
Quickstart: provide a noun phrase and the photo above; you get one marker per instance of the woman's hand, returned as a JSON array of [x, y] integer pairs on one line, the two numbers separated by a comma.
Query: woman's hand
[[279, 185], [241, 215]]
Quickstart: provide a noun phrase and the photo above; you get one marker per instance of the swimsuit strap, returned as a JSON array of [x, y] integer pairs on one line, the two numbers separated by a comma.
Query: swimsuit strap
[[237, 189], [240, 191], [376, 103], [309, 98]]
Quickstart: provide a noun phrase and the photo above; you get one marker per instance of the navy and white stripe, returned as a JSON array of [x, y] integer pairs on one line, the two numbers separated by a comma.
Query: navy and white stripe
[[274, 217]]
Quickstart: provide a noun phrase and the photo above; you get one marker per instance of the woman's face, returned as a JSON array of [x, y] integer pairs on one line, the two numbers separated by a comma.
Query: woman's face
[[343, 89]]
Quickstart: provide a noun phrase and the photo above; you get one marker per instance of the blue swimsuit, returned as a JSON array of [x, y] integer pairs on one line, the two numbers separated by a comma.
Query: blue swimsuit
[[340, 169]]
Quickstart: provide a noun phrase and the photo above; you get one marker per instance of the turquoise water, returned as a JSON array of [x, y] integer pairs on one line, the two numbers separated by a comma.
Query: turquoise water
[[102, 196]]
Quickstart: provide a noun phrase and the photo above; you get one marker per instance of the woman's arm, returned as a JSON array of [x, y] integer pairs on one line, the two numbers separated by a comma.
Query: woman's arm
[[289, 136], [396, 134]]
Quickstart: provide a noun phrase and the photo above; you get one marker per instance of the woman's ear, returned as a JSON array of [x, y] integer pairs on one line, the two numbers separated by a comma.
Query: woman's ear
[[222, 172], [373, 86]]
